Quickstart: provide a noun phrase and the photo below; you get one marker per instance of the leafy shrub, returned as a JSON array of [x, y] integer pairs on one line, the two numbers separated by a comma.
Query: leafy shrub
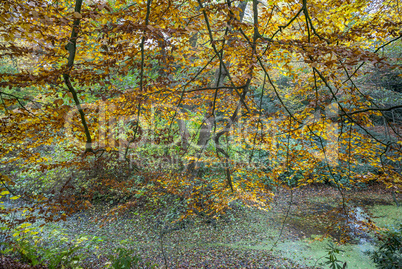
[[126, 259], [332, 260], [388, 254], [27, 252], [59, 252], [52, 257]]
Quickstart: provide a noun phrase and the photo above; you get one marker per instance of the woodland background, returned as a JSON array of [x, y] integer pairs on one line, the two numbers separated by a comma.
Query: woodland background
[[200, 134]]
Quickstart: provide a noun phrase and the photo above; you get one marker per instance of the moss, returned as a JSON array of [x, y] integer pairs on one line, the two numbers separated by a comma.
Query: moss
[[307, 252], [386, 215]]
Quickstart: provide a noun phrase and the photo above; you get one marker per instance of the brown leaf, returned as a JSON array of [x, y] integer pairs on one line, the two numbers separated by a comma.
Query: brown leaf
[[58, 102]]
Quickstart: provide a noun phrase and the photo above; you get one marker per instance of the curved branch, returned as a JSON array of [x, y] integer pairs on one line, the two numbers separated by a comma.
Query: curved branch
[[19, 102], [372, 109]]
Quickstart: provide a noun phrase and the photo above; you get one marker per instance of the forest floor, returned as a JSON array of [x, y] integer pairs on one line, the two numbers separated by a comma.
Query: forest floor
[[244, 238]]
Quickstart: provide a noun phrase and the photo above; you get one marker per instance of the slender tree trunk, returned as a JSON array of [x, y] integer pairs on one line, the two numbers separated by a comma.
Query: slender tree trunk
[[394, 198], [184, 134]]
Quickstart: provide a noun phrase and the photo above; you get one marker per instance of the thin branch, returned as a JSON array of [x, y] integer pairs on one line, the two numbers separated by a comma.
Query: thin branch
[[380, 47], [372, 101], [305, 11], [291, 192], [372, 109], [217, 53], [343, 109], [185, 85], [19, 102], [215, 88], [282, 27], [142, 44]]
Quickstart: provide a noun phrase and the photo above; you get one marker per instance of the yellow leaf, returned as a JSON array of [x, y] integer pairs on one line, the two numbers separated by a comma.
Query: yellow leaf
[[26, 224], [77, 15]]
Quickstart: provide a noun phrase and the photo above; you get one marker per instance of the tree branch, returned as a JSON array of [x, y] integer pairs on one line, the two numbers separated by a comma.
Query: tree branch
[[372, 109]]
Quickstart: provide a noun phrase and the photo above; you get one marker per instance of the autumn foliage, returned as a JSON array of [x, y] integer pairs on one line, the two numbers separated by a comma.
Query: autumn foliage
[[204, 102]]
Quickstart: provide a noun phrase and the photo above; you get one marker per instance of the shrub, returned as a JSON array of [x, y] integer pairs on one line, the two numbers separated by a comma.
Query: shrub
[[126, 259], [331, 257], [55, 251], [388, 254]]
